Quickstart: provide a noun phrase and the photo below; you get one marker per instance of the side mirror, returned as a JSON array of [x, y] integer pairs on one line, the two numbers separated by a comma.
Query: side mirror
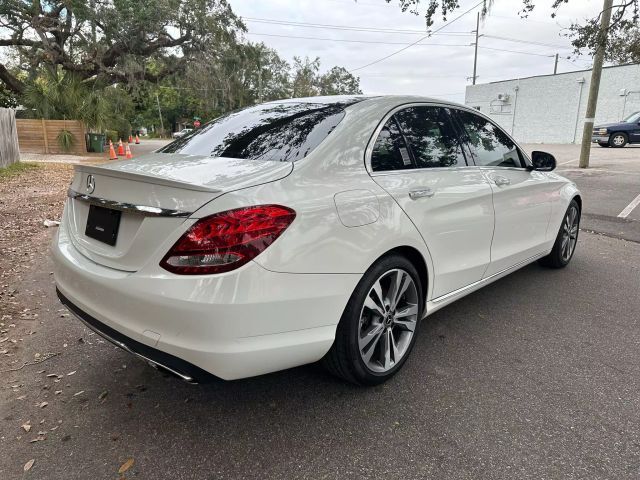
[[543, 161]]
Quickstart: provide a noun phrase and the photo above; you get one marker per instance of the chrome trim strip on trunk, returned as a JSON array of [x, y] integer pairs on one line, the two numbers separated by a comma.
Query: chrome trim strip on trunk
[[144, 210]]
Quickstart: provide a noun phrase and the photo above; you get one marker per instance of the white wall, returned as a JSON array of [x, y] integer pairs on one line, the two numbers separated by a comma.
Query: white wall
[[551, 108]]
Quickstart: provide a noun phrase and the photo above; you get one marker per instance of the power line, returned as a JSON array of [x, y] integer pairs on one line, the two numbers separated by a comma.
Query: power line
[[419, 40], [516, 51], [346, 27], [519, 40], [354, 41], [398, 43]]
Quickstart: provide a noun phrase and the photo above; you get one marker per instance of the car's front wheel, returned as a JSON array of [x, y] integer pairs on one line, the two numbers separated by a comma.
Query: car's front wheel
[[378, 327], [618, 140], [565, 244]]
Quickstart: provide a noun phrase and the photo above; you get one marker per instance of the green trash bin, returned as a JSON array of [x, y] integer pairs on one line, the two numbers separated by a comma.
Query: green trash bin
[[96, 142]]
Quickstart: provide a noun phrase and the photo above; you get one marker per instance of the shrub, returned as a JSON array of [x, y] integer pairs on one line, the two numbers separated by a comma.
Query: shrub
[[66, 140]]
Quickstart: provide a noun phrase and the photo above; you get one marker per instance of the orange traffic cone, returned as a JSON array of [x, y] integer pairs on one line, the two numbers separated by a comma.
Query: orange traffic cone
[[120, 149], [130, 139], [128, 152], [137, 139], [112, 152]]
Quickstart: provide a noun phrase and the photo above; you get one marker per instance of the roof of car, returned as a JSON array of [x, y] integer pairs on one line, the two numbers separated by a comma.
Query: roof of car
[[358, 99]]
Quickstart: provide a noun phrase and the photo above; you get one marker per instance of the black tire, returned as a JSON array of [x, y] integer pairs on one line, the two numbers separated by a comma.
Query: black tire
[[558, 257], [618, 140], [605, 145], [344, 359]]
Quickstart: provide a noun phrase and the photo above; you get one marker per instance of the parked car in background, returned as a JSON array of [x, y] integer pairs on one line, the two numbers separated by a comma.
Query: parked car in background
[[306, 229], [618, 134], [182, 132]]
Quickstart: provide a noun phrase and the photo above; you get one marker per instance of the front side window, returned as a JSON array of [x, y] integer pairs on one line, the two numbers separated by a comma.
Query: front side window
[[431, 137], [633, 118], [390, 151], [282, 132], [490, 146]]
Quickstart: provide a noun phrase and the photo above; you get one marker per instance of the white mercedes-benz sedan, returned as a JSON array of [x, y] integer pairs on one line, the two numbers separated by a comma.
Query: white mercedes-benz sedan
[[307, 229]]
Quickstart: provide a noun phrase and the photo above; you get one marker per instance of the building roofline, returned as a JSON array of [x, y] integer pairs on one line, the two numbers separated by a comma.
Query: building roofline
[[553, 75]]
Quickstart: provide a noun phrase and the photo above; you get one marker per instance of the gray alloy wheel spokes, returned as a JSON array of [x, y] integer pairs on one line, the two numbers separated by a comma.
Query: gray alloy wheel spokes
[[618, 140], [569, 233], [388, 320]]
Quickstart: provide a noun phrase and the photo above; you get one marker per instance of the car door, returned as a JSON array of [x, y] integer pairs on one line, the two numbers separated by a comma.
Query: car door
[[634, 133], [418, 159], [522, 198]]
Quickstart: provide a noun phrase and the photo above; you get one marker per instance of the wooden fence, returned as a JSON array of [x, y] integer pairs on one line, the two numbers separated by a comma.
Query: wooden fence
[[9, 151], [41, 136]]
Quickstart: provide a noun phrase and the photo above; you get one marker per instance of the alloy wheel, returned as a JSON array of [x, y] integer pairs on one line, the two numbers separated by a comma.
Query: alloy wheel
[[618, 140], [570, 228], [388, 320]]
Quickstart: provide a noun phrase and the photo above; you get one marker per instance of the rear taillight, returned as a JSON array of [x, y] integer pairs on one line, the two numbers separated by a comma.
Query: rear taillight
[[227, 240]]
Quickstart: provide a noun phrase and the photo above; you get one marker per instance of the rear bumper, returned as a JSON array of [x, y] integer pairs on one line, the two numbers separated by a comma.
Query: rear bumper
[[240, 324], [157, 358]]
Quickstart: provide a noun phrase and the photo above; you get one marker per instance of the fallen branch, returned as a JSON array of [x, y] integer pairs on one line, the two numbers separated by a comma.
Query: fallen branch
[[46, 357]]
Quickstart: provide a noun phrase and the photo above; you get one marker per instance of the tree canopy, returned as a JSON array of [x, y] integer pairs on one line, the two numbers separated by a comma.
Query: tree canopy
[[188, 56], [115, 40]]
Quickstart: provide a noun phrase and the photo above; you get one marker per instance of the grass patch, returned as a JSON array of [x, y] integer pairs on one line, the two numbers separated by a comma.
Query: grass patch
[[17, 168]]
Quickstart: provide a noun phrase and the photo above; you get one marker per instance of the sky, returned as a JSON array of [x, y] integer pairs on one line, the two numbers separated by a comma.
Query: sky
[[442, 67]]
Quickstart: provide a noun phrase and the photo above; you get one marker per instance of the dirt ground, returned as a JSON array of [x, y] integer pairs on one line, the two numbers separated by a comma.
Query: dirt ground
[[26, 201]]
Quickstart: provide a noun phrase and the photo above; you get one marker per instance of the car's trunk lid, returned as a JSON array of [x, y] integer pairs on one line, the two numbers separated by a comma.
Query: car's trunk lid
[[155, 194]]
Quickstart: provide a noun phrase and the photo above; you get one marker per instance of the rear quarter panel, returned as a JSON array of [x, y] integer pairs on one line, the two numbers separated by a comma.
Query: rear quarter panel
[[319, 241]]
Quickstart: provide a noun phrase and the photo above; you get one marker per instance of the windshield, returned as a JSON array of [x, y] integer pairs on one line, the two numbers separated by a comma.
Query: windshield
[[282, 132], [633, 118]]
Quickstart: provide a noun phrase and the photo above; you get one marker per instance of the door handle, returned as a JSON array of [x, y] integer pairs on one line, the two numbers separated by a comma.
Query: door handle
[[417, 193], [501, 181]]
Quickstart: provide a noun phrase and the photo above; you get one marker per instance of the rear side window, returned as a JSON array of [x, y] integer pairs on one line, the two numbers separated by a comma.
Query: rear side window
[[431, 137], [283, 132], [390, 151], [489, 145]]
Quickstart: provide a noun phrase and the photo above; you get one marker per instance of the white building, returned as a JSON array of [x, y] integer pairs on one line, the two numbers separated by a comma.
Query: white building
[[551, 108]]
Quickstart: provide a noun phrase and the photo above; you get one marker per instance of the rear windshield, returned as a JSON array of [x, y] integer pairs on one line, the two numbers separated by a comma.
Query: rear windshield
[[283, 132]]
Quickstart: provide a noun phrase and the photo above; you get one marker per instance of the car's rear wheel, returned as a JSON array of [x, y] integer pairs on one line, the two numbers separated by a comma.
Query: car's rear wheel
[[618, 140], [378, 327], [565, 245], [606, 145]]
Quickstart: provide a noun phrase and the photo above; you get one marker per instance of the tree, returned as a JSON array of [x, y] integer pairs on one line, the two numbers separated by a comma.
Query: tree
[[305, 76], [624, 31], [338, 81], [57, 94], [8, 99], [115, 41]]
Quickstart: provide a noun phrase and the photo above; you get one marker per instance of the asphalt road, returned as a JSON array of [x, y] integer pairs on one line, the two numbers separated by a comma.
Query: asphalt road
[[536, 376]]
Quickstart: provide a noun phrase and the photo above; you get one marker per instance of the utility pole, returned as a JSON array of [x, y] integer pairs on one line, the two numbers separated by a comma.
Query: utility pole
[[596, 74], [475, 55], [555, 67], [160, 114]]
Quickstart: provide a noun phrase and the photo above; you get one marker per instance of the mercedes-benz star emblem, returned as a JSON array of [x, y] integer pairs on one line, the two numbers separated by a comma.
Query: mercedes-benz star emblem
[[91, 183]]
